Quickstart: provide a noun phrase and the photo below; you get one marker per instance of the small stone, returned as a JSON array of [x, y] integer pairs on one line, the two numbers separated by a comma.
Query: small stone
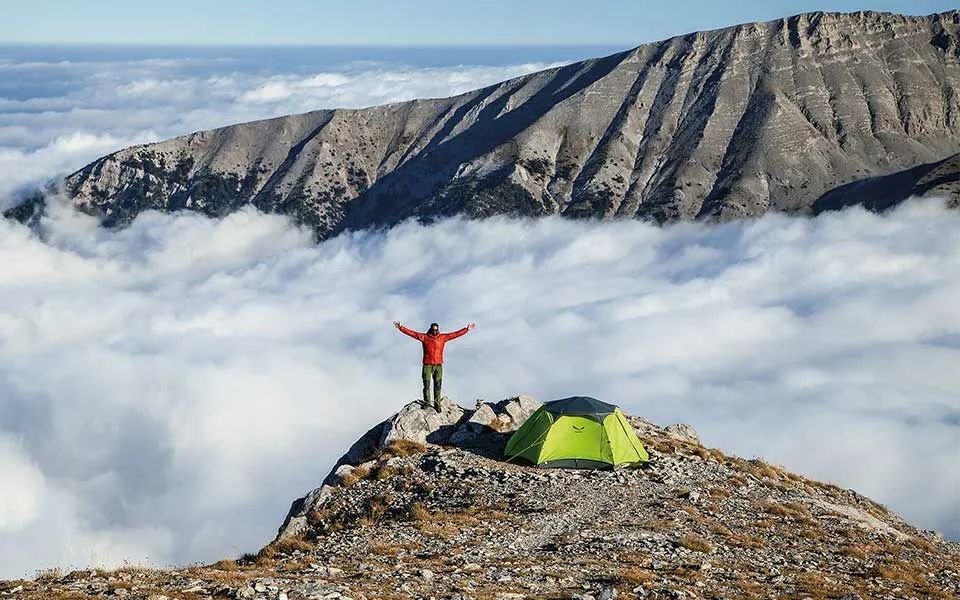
[[246, 593], [608, 593]]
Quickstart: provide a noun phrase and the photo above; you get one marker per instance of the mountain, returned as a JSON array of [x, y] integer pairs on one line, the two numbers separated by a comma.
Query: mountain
[[423, 506], [796, 115]]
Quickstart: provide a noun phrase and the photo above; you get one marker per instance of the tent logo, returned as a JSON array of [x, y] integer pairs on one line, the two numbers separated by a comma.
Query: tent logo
[[578, 428]]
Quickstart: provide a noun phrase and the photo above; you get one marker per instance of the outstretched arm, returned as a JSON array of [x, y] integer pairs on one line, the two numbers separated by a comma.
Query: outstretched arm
[[455, 334], [414, 334]]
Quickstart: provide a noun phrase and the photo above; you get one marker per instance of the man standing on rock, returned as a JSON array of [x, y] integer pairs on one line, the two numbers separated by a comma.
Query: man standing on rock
[[433, 342]]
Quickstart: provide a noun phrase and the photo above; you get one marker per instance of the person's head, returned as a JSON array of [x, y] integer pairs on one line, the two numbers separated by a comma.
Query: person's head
[[434, 329]]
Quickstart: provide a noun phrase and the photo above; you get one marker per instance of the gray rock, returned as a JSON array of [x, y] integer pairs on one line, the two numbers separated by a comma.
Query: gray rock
[[608, 593], [246, 593], [512, 413], [683, 432], [420, 423], [700, 126]]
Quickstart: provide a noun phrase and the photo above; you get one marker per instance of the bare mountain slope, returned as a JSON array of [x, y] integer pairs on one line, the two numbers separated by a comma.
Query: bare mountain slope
[[714, 125]]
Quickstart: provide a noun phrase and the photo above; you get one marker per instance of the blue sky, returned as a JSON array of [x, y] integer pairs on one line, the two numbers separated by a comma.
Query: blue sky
[[412, 22]]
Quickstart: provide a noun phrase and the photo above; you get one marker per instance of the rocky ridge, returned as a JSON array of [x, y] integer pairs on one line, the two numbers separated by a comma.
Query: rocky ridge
[[789, 115], [422, 506]]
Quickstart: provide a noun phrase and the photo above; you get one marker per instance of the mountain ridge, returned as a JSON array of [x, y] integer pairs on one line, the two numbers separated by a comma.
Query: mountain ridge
[[709, 125], [423, 505]]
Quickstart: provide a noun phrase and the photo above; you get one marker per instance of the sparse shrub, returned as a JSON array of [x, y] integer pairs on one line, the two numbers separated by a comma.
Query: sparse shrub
[[225, 565], [374, 508], [695, 543], [635, 576], [360, 472], [922, 545], [284, 546], [719, 493], [382, 471], [857, 551], [46, 575], [401, 448], [418, 512]]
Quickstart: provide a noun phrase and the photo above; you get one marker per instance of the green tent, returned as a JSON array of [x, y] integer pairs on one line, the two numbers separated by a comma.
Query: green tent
[[577, 432]]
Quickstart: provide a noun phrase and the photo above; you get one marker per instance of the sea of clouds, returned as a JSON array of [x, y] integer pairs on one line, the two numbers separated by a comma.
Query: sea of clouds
[[58, 113], [168, 388]]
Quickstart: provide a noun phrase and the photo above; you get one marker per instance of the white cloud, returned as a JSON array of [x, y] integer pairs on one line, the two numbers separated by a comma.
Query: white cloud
[[161, 383], [22, 488], [171, 379], [20, 169], [82, 110]]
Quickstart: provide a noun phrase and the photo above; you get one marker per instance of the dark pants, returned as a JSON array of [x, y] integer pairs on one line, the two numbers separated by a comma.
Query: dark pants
[[432, 373]]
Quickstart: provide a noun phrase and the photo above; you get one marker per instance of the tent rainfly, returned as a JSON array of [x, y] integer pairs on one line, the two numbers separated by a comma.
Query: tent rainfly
[[577, 432]]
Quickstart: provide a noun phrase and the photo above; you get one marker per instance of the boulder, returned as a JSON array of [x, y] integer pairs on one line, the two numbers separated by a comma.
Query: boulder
[[513, 412], [489, 422], [296, 520], [683, 432], [420, 423]]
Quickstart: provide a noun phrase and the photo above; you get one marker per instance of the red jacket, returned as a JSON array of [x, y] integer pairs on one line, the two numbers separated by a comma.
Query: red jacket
[[433, 344]]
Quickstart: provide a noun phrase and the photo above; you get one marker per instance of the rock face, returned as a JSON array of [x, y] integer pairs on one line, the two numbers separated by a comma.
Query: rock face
[[800, 114], [402, 519], [484, 429]]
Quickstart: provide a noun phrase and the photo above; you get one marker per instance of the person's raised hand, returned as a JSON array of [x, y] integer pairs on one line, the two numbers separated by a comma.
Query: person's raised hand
[[471, 326], [396, 324]]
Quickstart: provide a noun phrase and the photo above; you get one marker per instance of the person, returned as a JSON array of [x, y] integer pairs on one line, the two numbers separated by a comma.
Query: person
[[433, 342]]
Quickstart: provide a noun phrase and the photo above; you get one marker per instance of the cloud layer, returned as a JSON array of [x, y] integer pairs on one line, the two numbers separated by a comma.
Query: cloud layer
[[59, 115], [167, 389]]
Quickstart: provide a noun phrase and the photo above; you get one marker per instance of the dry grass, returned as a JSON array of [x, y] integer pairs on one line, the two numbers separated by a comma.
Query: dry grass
[[284, 546], [764, 523], [634, 576], [418, 512], [816, 585], [360, 472], [696, 543], [750, 589], [48, 575], [225, 565], [382, 471], [792, 510], [401, 448], [655, 525], [922, 545], [911, 576], [719, 493], [374, 508], [745, 541], [858, 551], [499, 425]]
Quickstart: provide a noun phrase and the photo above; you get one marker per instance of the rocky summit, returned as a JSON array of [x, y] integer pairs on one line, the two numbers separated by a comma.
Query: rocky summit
[[799, 115], [423, 506]]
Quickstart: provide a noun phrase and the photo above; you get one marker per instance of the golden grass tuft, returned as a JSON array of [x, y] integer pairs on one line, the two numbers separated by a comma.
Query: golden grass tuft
[[696, 543], [418, 512], [401, 448], [635, 576], [817, 585], [225, 565], [283, 546]]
